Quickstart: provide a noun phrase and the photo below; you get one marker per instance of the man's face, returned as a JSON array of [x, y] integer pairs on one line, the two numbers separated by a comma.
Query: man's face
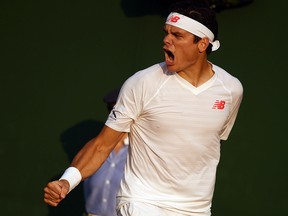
[[181, 52]]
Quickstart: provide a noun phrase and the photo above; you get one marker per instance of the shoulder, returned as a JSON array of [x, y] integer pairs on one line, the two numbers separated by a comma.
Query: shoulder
[[142, 85], [230, 82], [150, 72], [148, 76]]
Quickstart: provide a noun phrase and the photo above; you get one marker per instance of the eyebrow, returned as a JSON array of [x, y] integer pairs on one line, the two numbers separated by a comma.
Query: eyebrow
[[175, 33]]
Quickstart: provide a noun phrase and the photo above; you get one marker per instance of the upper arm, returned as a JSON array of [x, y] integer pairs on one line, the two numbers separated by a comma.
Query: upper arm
[[237, 96], [108, 138]]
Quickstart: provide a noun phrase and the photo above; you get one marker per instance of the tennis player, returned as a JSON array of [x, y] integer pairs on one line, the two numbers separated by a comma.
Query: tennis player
[[176, 113]]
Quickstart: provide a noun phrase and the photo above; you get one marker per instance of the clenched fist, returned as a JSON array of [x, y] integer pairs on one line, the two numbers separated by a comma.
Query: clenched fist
[[56, 191]]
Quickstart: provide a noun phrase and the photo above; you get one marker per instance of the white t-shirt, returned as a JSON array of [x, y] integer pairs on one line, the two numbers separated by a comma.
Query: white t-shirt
[[175, 131]]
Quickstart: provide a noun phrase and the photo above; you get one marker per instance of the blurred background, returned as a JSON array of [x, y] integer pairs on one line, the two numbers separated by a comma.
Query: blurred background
[[59, 58]]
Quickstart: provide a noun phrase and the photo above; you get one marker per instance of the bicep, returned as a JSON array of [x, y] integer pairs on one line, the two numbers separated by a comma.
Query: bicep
[[108, 138]]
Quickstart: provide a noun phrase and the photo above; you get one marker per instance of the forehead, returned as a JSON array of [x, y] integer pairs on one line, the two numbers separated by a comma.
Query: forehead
[[174, 29]]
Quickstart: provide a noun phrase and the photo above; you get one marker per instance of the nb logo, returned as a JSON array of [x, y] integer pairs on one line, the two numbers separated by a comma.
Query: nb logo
[[174, 19], [219, 105]]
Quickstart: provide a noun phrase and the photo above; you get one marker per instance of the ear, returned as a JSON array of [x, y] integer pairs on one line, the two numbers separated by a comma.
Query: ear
[[203, 44]]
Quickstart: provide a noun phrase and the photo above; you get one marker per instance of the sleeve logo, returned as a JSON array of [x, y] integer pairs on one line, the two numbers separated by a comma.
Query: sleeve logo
[[114, 114]]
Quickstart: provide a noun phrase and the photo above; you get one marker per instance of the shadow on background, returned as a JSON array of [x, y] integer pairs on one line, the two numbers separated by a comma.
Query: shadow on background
[[134, 8], [72, 141]]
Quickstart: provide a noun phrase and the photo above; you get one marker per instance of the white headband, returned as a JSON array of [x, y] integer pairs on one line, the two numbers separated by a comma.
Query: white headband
[[192, 26]]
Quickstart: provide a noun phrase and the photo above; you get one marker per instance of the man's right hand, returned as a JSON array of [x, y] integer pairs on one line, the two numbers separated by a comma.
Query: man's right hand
[[56, 191]]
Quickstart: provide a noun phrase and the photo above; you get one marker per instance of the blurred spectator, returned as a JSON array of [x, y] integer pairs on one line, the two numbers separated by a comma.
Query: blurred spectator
[[101, 188]]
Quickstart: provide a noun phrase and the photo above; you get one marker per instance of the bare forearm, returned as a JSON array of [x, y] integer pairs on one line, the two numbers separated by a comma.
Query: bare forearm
[[90, 158], [94, 153], [86, 162]]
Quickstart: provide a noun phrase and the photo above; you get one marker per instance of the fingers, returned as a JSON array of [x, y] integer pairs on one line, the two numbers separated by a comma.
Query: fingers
[[55, 191], [64, 188], [52, 202]]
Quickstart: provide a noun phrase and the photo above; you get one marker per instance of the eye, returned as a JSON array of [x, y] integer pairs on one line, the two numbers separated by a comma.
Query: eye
[[177, 35], [165, 32]]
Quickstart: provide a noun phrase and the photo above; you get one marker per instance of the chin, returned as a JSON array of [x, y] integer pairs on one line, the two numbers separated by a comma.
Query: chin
[[171, 68]]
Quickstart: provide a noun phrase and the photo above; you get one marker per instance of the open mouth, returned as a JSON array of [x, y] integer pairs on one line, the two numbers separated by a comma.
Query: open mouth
[[168, 55]]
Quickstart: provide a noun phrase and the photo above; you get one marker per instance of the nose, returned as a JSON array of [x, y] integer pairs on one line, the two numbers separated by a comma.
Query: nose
[[167, 39]]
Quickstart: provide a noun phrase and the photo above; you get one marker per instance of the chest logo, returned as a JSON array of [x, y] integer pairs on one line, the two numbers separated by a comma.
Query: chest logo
[[219, 104]]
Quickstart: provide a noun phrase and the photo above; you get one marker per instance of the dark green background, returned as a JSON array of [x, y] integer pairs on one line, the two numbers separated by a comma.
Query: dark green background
[[58, 59]]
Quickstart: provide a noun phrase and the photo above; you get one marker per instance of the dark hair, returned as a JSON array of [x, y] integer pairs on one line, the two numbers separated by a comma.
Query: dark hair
[[200, 11]]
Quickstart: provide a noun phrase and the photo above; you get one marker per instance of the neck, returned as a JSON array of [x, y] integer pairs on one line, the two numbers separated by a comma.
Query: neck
[[198, 74]]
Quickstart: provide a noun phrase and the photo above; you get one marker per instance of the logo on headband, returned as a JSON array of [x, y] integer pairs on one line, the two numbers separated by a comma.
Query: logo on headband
[[174, 19]]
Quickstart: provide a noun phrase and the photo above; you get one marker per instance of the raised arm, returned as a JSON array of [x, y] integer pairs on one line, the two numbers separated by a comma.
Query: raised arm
[[87, 161]]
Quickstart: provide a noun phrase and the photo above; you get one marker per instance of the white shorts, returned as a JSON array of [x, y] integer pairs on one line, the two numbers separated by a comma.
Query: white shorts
[[143, 209]]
